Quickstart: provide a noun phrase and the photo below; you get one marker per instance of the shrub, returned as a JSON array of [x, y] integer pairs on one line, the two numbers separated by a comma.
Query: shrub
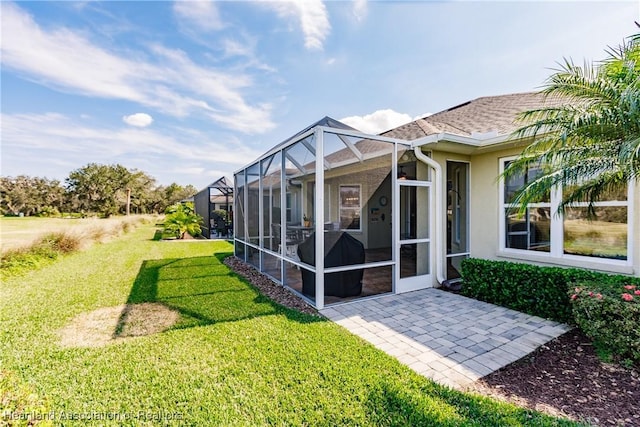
[[608, 312], [42, 251], [16, 260], [540, 291], [62, 242], [181, 219], [48, 212]]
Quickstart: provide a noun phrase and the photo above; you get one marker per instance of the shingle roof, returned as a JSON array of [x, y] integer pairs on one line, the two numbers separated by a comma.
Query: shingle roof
[[495, 114]]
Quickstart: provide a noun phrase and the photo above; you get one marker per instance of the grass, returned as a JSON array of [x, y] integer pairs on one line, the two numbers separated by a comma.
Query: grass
[[30, 243], [17, 232], [234, 358]]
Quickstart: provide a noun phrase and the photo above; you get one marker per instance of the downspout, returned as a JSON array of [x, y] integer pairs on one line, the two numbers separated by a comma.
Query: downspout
[[438, 208]]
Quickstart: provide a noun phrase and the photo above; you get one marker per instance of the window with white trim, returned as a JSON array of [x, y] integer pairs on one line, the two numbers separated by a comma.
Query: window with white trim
[[541, 229], [350, 207], [531, 231]]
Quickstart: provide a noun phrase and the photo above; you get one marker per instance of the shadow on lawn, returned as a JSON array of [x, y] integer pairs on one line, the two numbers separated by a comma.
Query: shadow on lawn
[[203, 290]]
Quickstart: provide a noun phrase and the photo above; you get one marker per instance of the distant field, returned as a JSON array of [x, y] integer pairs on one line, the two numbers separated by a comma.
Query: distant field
[[16, 232]]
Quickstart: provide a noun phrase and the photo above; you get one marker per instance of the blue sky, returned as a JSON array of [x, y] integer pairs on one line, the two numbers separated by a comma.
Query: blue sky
[[188, 91]]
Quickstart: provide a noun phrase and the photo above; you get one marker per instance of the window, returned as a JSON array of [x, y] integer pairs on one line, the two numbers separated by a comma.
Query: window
[[289, 215], [531, 231], [574, 234], [350, 207], [604, 236]]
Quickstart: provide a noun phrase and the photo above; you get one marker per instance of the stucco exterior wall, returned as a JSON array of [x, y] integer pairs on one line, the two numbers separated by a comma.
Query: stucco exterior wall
[[485, 221], [484, 203]]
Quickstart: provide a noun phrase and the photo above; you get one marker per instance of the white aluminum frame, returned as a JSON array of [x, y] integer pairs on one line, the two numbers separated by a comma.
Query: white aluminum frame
[[319, 206]]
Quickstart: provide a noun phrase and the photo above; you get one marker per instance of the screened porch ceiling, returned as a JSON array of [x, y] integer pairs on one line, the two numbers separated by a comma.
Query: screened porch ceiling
[[340, 149]]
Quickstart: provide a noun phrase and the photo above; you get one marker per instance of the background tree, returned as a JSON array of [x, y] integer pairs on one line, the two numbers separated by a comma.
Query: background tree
[[175, 193], [99, 188], [29, 196], [142, 197], [588, 141], [93, 188]]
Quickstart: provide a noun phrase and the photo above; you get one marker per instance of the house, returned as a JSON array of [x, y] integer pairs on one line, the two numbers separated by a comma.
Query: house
[[412, 203], [217, 196]]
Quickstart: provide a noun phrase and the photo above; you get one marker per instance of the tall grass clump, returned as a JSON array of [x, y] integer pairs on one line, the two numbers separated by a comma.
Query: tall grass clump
[[42, 251], [48, 247]]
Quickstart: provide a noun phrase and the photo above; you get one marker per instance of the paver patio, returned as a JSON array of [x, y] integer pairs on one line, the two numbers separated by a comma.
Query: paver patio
[[449, 338]]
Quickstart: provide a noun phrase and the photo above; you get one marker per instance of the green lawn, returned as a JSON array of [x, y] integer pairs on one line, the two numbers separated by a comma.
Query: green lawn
[[233, 358]]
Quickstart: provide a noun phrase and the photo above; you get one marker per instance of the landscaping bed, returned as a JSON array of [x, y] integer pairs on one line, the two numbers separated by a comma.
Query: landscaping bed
[[565, 377]]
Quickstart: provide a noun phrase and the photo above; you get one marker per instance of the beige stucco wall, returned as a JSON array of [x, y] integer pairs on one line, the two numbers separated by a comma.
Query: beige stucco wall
[[484, 220], [484, 203], [484, 216]]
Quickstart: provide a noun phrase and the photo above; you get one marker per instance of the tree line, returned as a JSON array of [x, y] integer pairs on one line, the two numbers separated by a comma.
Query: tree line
[[94, 189]]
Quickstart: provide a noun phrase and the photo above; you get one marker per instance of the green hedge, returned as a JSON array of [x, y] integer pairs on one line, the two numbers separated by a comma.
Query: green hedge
[[540, 291]]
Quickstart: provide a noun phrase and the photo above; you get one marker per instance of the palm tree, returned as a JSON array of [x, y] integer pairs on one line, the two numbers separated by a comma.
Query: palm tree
[[587, 139], [181, 220]]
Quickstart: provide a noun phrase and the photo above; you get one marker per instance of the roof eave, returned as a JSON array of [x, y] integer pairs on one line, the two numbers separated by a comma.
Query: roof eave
[[466, 144]]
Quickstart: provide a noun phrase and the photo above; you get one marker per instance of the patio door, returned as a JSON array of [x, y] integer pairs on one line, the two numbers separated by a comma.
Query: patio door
[[413, 244]]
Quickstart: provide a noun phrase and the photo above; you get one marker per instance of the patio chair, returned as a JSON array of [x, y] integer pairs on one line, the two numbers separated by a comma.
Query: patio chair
[[290, 242]]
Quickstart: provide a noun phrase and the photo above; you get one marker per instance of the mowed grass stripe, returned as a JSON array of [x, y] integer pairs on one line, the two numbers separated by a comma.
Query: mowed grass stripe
[[234, 357]]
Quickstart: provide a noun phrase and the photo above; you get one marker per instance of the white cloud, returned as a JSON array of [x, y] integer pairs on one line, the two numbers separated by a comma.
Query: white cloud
[[63, 142], [312, 16], [168, 81], [141, 120], [421, 116], [378, 121], [235, 48], [360, 9], [201, 13]]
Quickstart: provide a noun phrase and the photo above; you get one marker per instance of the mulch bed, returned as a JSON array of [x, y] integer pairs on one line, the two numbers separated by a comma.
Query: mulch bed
[[563, 378], [566, 378], [268, 287]]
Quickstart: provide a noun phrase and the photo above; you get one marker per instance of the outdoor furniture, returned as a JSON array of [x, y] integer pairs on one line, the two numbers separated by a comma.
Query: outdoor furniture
[[290, 241], [299, 232], [340, 249]]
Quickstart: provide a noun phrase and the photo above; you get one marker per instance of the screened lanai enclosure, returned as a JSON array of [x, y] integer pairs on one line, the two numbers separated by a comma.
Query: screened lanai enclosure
[[362, 201]]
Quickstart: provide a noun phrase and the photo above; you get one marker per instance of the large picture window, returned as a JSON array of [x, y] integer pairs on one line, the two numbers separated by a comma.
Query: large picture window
[[350, 207], [541, 229], [604, 236]]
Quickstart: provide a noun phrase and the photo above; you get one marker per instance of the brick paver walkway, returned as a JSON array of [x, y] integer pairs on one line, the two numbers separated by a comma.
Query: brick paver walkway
[[449, 338]]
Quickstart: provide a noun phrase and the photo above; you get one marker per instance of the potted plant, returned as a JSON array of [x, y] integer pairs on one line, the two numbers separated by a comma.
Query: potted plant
[[306, 221]]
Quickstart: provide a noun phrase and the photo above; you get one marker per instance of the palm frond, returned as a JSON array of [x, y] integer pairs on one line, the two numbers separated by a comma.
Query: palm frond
[[587, 141]]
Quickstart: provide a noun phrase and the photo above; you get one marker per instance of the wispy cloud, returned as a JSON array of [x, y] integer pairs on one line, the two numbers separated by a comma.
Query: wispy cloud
[[60, 138], [378, 121], [164, 79], [360, 9], [311, 15], [203, 14]]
